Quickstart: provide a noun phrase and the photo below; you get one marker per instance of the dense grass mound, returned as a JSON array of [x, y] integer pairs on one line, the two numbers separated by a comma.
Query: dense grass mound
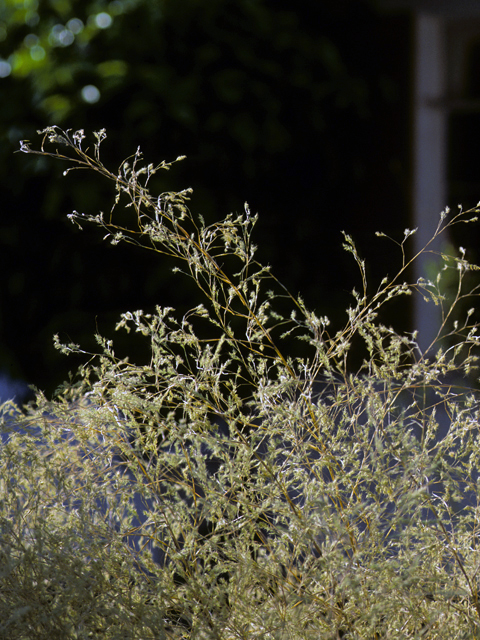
[[226, 489]]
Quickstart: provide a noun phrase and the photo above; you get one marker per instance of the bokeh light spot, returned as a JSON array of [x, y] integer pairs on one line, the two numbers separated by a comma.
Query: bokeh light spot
[[103, 20], [5, 69], [90, 94]]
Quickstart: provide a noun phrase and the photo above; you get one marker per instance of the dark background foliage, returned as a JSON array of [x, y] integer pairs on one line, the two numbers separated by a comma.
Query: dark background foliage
[[300, 110]]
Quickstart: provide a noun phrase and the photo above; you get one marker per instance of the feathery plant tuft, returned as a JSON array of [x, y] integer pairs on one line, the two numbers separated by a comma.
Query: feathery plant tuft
[[228, 489]]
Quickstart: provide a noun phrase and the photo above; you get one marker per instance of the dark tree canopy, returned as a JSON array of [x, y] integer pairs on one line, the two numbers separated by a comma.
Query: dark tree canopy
[[298, 110]]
